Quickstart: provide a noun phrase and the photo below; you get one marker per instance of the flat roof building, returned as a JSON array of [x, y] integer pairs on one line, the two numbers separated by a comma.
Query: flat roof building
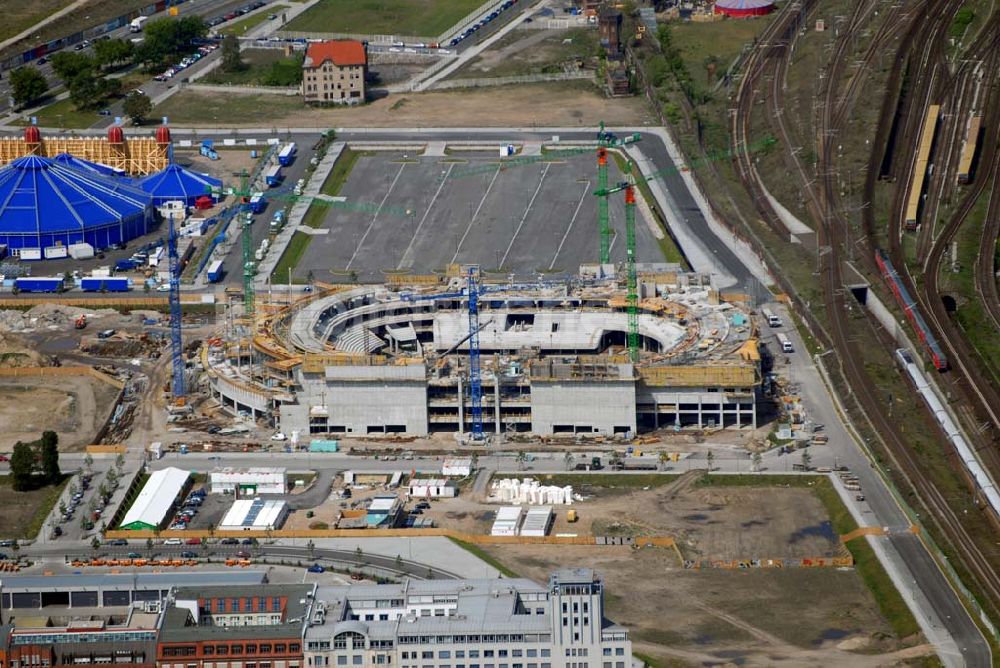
[[457, 466], [507, 521], [248, 481], [537, 521], [257, 514], [383, 511], [432, 488], [449, 622], [157, 499]]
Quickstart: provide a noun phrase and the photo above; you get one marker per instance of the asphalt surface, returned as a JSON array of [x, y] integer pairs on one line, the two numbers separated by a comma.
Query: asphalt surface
[[423, 213]]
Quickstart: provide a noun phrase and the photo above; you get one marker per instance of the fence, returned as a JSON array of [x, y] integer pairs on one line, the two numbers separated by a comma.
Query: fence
[[57, 371], [247, 90], [504, 81]]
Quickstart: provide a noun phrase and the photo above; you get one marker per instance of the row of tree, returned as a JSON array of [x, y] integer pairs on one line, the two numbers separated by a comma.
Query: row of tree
[[36, 463], [85, 75]]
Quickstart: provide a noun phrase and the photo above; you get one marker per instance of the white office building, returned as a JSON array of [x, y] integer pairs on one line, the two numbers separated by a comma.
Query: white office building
[[508, 623], [432, 488], [248, 481]]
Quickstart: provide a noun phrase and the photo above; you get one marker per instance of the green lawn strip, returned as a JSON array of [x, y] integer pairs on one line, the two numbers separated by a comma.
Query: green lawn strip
[[429, 18], [290, 258], [890, 603], [482, 555], [251, 22]]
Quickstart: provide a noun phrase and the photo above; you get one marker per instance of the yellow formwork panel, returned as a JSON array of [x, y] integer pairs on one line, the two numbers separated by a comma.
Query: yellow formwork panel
[[699, 376]]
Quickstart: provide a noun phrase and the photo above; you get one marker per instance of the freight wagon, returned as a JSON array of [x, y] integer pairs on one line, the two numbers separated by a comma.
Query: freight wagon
[[909, 307], [287, 154], [273, 176]]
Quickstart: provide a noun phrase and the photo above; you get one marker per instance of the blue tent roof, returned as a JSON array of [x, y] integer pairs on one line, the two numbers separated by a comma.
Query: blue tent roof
[[87, 165], [44, 196], [177, 183]]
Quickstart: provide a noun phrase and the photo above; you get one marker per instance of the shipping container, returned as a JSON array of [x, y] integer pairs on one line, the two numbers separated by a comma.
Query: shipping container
[[258, 203], [125, 265], [39, 284], [56, 253], [287, 154], [215, 271], [105, 284], [320, 445], [30, 254]]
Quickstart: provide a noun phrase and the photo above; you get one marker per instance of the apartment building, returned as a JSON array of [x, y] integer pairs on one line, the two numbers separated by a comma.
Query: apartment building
[[333, 72], [508, 623]]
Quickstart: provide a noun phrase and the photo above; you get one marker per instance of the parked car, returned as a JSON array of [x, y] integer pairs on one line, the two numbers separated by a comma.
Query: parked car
[[173, 541], [4, 458], [118, 542], [316, 568], [243, 554], [249, 541], [57, 531], [133, 555], [193, 541], [188, 554], [229, 541]]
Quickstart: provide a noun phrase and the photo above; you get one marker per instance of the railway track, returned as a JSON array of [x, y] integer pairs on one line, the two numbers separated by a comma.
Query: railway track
[[833, 228]]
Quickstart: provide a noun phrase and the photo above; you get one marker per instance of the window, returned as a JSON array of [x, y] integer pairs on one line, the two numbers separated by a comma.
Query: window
[[252, 649], [406, 655], [516, 652], [208, 650], [444, 654], [607, 651], [264, 648], [427, 655], [487, 653], [236, 649], [295, 647], [278, 647], [473, 654], [532, 652], [459, 653], [619, 664], [341, 660], [607, 664], [502, 653], [356, 659], [545, 653], [221, 649]]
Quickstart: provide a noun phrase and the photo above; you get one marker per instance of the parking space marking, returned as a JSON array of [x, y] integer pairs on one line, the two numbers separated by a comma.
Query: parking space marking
[[375, 217], [474, 215], [409, 249], [525, 216], [583, 196]]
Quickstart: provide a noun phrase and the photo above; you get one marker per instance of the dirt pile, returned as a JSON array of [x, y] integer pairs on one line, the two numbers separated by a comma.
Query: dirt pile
[[47, 316], [16, 353]]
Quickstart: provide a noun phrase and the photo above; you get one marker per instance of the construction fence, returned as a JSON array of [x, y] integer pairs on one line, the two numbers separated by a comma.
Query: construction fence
[[60, 371]]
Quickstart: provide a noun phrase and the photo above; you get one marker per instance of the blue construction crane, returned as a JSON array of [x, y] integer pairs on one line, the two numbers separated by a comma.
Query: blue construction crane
[[176, 344]]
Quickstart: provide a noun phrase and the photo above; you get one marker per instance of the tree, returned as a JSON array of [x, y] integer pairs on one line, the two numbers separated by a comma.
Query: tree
[[169, 37], [756, 459], [711, 460], [137, 107], [27, 85], [50, 457], [62, 507], [113, 51], [664, 457], [95, 543], [22, 466], [521, 459], [149, 545], [119, 461], [71, 65], [232, 61], [399, 563]]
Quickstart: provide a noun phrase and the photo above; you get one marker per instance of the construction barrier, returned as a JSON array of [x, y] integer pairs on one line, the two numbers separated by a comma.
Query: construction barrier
[[106, 449]]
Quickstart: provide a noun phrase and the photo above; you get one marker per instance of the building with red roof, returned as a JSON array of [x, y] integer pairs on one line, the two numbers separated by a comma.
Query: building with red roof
[[334, 72]]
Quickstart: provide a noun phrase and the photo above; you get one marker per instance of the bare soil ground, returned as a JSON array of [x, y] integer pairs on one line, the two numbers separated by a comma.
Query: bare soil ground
[[73, 407], [794, 617], [708, 523], [565, 104], [231, 161], [532, 51]]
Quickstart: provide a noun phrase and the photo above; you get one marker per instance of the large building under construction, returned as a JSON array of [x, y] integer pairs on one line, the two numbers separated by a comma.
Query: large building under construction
[[554, 358]]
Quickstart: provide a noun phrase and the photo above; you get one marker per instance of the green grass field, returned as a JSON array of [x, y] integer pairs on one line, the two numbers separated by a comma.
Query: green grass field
[[186, 108], [240, 27], [64, 114], [383, 17], [260, 63]]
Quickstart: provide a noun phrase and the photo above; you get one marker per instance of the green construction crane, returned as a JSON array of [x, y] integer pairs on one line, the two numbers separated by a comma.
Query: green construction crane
[[606, 140], [632, 282]]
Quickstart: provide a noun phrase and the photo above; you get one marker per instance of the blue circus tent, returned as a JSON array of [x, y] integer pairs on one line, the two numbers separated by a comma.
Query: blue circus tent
[[88, 166], [177, 183], [45, 202]]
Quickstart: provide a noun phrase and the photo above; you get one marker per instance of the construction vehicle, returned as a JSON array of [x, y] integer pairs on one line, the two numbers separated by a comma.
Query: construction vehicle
[[595, 464], [80, 322]]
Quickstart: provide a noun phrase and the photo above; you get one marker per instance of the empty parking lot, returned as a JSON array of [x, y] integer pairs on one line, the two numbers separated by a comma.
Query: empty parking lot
[[420, 214]]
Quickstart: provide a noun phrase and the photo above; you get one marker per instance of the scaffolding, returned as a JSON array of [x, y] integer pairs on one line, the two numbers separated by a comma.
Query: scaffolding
[[137, 156]]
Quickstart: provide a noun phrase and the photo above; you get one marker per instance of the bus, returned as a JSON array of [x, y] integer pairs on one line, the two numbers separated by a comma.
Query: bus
[[287, 154], [772, 320], [786, 345], [273, 176], [258, 203]]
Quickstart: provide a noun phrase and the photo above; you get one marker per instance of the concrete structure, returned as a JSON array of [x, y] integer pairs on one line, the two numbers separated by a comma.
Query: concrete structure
[[135, 156], [457, 466], [393, 360], [157, 499], [248, 481], [256, 514], [423, 623], [537, 521], [28, 592], [432, 488], [507, 522], [334, 72]]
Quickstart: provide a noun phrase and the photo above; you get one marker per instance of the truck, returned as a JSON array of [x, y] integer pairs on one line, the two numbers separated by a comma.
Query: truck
[[785, 343], [137, 23], [125, 265], [40, 284], [640, 463], [156, 450], [105, 284], [273, 176], [287, 154], [771, 318], [595, 464], [215, 271]]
